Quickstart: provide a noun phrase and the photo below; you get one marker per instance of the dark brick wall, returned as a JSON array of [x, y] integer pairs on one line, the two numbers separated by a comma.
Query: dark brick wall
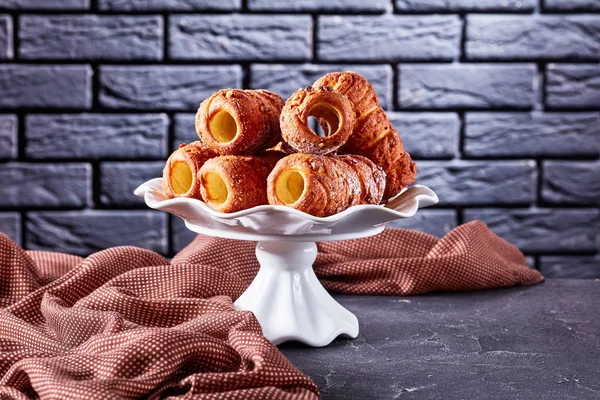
[[498, 100]]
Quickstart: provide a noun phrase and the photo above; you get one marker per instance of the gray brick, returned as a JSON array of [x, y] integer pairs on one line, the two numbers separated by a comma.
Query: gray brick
[[44, 185], [118, 180], [85, 232], [164, 87], [572, 5], [573, 86], [571, 182], [532, 134], [6, 37], [8, 136], [182, 236], [389, 37], [465, 5], [10, 225], [542, 230], [96, 136], [91, 37], [508, 37], [570, 267], [240, 37], [45, 4], [480, 182], [428, 135], [286, 79], [169, 5], [475, 86], [185, 130], [434, 222], [49, 86], [316, 5]]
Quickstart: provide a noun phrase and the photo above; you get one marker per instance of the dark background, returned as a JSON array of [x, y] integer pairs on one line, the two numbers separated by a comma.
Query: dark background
[[498, 100]]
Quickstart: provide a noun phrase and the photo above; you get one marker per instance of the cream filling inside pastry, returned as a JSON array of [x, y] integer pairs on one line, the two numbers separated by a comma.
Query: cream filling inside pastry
[[223, 127], [181, 178], [216, 189], [289, 186]]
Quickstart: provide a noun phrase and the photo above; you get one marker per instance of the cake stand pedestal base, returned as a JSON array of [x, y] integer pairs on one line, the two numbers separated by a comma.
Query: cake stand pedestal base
[[289, 301]]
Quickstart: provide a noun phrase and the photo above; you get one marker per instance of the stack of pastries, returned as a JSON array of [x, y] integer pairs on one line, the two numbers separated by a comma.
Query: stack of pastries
[[255, 148]]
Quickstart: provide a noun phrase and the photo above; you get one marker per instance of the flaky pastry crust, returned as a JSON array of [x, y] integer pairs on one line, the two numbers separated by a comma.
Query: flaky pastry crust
[[324, 185], [333, 111], [374, 136], [181, 168], [233, 183], [236, 121]]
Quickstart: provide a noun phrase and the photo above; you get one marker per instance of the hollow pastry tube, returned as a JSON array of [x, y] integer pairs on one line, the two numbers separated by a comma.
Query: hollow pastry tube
[[321, 185], [233, 183], [373, 136], [333, 111], [179, 174], [236, 121]]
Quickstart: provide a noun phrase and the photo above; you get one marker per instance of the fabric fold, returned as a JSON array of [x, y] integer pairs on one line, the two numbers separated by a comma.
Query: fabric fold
[[126, 323]]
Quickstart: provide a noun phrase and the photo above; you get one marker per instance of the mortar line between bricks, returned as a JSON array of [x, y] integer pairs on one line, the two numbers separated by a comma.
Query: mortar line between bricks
[[463, 39], [461, 135], [229, 62], [21, 138], [95, 86], [132, 13], [460, 217], [342, 13], [246, 77], [315, 37], [540, 182], [395, 89], [537, 88], [463, 11], [572, 157], [542, 86], [536, 260], [66, 161], [96, 186], [165, 39], [23, 227], [16, 40]]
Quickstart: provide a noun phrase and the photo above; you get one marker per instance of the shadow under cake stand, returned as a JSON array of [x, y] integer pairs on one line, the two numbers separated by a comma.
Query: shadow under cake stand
[[286, 296]]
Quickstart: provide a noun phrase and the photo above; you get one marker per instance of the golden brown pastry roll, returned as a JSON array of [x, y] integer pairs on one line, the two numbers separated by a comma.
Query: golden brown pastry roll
[[236, 121], [324, 185], [271, 157], [179, 174], [370, 175], [333, 111], [374, 136], [233, 183]]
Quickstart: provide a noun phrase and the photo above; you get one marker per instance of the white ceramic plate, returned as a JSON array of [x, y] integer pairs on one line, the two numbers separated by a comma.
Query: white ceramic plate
[[270, 223]]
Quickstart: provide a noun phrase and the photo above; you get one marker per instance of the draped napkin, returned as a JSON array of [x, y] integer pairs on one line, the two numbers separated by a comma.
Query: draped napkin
[[126, 323]]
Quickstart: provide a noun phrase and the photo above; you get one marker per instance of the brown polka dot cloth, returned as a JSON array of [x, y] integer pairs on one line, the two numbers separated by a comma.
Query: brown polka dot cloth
[[126, 323]]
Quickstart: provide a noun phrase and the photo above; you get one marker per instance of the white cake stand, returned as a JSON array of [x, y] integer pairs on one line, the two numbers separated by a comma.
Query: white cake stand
[[286, 296]]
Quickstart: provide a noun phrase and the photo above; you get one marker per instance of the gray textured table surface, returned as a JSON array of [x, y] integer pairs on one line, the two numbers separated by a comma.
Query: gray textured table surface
[[539, 342]]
